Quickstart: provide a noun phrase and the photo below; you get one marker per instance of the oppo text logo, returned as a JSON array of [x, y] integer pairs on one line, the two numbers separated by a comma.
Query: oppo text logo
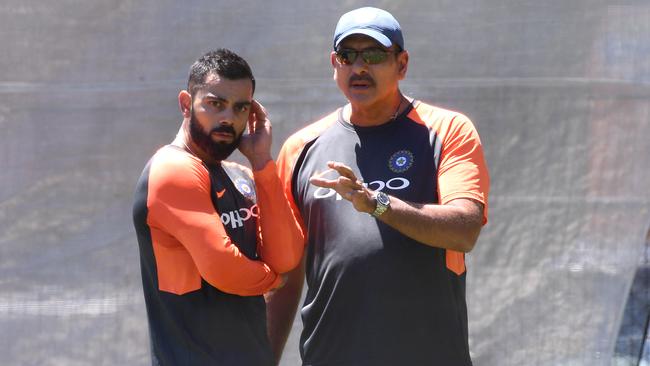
[[395, 184], [236, 218]]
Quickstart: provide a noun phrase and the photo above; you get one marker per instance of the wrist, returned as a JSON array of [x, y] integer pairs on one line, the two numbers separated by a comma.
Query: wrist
[[382, 204], [259, 162]]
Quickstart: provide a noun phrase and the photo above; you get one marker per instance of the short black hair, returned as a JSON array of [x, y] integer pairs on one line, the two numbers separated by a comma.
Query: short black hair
[[222, 62]]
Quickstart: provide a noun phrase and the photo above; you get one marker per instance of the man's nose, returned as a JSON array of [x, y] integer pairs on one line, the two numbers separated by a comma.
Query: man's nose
[[227, 116], [359, 65]]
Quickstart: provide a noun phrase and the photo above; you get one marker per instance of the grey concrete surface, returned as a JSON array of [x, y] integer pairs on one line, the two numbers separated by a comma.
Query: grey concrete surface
[[559, 91]]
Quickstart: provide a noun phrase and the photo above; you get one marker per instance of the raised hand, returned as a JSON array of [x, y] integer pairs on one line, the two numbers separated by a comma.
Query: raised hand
[[256, 144], [347, 186]]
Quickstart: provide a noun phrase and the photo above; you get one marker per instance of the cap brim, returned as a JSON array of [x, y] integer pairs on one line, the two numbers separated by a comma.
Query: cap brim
[[377, 36]]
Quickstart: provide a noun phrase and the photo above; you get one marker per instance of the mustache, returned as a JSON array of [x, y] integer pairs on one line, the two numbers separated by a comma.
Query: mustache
[[223, 128], [365, 78]]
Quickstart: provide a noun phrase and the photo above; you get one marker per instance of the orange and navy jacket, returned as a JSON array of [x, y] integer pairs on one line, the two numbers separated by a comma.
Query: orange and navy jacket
[[375, 296], [212, 240]]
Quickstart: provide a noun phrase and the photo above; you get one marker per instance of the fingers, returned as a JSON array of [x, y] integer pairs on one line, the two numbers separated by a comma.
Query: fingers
[[342, 184], [320, 182], [345, 171], [252, 118], [258, 116], [346, 185], [338, 183], [347, 177], [258, 109]]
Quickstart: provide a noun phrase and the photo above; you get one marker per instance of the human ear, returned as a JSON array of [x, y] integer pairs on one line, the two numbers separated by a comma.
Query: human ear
[[185, 103], [403, 63]]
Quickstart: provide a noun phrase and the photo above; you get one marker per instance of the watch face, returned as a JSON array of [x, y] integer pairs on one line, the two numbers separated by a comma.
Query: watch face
[[382, 198], [383, 202]]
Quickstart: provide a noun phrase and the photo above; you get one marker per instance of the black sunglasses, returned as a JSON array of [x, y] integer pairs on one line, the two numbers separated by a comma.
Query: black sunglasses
[[371, 56]]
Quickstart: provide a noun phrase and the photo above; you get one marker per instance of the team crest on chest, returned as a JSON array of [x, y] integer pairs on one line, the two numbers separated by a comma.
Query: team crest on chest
[[401, 161], [245, 188]]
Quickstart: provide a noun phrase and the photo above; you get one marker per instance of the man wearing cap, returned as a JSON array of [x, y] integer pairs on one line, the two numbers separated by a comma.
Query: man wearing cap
[[390, 192]]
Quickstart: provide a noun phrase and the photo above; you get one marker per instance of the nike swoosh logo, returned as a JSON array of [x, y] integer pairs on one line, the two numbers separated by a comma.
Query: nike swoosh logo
[[219, 194]]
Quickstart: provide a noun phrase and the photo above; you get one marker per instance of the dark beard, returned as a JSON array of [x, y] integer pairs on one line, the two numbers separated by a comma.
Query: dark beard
[[216, 150]]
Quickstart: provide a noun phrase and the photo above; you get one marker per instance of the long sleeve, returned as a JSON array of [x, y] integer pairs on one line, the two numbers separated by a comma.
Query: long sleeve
[[181, 211], [281, 242]]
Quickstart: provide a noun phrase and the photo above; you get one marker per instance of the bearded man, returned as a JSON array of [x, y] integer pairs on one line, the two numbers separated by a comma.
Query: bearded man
[[214, 236]]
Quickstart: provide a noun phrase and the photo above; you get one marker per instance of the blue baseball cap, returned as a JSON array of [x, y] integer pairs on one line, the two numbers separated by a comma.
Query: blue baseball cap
[[372, 22]]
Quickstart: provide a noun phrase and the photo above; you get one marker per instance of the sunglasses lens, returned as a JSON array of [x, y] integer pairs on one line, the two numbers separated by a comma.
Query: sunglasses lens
[[346, 57], [369, 56], [373, 57]]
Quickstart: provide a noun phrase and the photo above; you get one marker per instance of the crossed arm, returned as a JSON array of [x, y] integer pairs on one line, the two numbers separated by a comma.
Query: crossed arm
[[190, 240]]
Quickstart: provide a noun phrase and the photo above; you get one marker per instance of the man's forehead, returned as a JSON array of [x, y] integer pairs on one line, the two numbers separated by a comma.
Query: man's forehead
[[215, 79], [218, 86]]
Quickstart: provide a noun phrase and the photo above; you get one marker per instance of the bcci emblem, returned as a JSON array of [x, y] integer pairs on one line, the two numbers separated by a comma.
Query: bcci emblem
[[401, 161], [245, 188]]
